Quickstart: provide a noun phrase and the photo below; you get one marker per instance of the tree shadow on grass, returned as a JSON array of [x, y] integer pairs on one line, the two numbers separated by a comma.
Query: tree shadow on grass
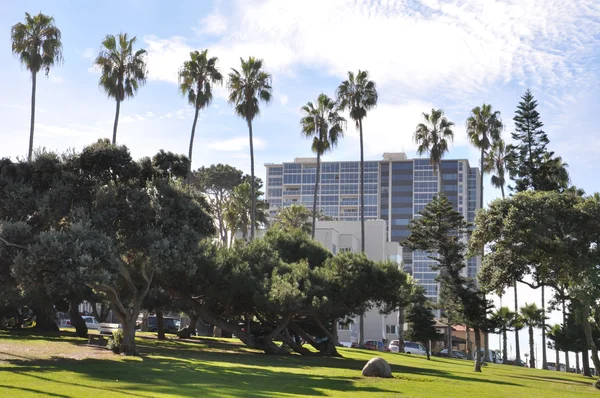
[[546, 379], [31, 390], [184, 377]]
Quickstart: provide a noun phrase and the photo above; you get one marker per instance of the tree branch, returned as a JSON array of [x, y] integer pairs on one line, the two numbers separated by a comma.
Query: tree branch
[[7, 243]]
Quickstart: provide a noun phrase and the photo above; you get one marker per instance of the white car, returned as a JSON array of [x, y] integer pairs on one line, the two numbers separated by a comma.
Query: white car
[[394, 346], [91, 322], [414, 348]]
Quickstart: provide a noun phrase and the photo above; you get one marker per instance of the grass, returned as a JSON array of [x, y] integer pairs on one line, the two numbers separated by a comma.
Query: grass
[[60, 366]]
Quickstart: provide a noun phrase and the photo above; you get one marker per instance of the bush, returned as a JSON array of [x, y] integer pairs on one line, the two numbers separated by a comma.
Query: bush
[[114, 342]]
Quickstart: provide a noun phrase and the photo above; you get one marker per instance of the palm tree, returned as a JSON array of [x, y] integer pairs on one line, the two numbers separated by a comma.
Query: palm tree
[[123, 71], [532, 317], [496, 163], [432, 137], [246, 89], [358, 95], [37, 43], [237, 213], [294, 217], [484, 127], [196, 78], [506, 320], [326, 126]]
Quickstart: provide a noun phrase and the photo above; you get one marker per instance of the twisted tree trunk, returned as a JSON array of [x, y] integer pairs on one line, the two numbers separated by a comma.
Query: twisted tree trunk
[[478, 358], [76, 319], [160, 325]]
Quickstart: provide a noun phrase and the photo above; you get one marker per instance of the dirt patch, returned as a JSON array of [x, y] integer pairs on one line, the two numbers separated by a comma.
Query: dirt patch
[[51, 349]]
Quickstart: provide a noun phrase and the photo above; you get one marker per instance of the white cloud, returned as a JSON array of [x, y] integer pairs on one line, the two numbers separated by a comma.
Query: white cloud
[[236, 144], [56, 79], [283, 99], [95, 69], [88, 53], [149, 114], [214, 24]]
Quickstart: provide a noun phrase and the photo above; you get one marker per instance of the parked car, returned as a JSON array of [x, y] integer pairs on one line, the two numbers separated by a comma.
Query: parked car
[[91, 322], [172, 325], [414, 348], [394, 346], [374, 345], [455, 354]]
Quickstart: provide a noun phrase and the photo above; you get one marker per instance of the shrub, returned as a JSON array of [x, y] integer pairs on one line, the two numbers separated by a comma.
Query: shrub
[[114, 342]]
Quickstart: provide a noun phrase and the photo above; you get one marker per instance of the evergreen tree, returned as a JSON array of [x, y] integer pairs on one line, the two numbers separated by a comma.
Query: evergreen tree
[[438, 231], [420, 319], [531, 165]]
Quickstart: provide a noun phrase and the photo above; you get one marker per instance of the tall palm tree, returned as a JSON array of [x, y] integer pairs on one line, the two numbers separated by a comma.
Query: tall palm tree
[[484, 126], [358, 95], [506, 320], [324, 123], [532, 317], [432, 137], [247, 88], [196, 78], [38, 44], [123, 70], [496, 163]]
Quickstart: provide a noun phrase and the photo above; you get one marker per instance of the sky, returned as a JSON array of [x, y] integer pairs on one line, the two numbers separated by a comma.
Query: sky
[[423, 54]]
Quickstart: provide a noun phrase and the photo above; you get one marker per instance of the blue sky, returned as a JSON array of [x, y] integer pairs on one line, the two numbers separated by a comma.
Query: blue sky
[[452, 55]]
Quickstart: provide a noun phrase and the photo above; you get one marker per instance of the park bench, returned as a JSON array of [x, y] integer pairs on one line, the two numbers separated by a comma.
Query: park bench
[[108, 328]]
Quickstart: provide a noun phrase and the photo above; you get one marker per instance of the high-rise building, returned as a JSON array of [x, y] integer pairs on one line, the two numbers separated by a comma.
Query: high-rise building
[[396, 190]]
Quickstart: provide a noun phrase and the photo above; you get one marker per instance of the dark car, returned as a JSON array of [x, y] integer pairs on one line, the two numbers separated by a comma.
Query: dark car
[[171, 324]]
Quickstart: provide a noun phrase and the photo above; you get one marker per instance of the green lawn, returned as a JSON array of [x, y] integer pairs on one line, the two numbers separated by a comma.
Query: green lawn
[[58, 366]]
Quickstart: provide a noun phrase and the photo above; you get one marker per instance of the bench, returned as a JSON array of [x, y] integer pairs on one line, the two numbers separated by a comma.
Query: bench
[[108, 328], [97, 339]]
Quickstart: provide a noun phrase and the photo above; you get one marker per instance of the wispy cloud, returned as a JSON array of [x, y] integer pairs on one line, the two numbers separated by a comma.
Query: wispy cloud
[[236, 144], [214, 24], [88, 53]]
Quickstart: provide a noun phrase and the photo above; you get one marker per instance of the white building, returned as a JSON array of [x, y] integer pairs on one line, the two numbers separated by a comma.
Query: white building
[[340, 236]]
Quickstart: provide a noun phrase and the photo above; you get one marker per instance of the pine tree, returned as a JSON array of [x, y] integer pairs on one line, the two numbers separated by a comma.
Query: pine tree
[[532, 166], [420, 319]]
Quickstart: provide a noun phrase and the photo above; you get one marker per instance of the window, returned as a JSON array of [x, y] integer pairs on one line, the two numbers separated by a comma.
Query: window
[[390, 329], [460, 200], [275, 181], [350, 167], [348, 189], [460, 177], [370, 188], [309, 178], [370, 199], [330, 177], [330, 167], [292, 179], [292, 168], [275, 171], [349, 202], [349, 178], [371, 167], [449, 176], [329, 189], [334, 249], [345, 249], [342, 326], [402, 166], [275, 191]]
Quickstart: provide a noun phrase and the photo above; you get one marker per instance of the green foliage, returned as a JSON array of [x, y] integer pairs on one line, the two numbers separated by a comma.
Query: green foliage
[[197, 77], [294, 217], [122, 69], [421, 323], [248, 87], [37, 42], [115, 341], [496, 163], [357, 95], [531, 165], [433, 136], [323, 122], [239, 209], [217, 182]]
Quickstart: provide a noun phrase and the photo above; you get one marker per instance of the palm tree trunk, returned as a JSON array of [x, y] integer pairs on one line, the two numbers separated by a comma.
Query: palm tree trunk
[[253, 196], [486, 336], [160, 325], [31, 127], [517, 346], [192, 137], [531, 349], [585, 363], [577, 367], [504, 346], [544, 359], [401, 316], [557, 360], [564, 314], [314, 215], [114, 140], [361, 319]]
